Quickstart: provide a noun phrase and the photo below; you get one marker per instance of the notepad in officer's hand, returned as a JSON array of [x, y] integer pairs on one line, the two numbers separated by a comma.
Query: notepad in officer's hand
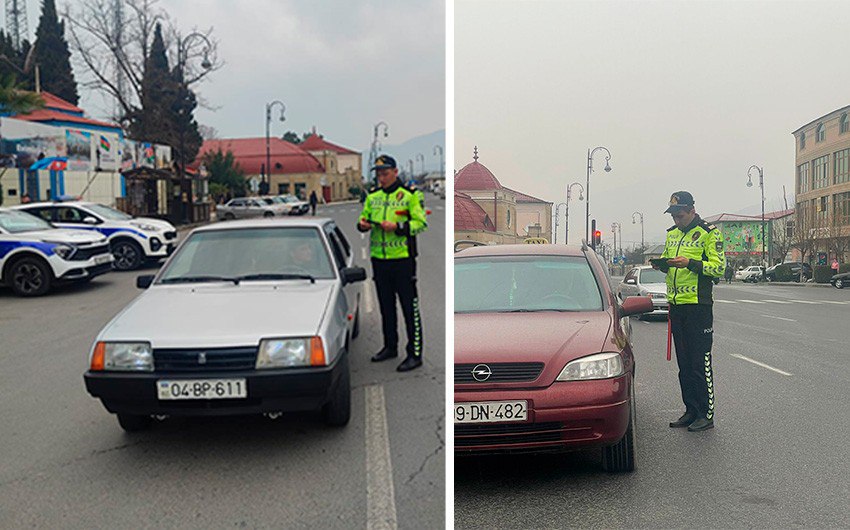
[[659, 262]]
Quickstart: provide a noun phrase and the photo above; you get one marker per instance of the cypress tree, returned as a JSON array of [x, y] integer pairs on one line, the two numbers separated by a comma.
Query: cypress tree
[[52, 55]]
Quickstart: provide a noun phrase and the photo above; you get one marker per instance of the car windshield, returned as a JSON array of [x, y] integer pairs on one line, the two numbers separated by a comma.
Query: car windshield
[[652, 276], [268, 201], [278, 200], [290, 198], [109, 213], [250, 254], [15, 222], [525, 284]]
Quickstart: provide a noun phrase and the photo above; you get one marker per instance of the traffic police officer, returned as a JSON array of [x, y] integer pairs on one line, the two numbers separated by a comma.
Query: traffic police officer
[[694, 252], [394, 215]]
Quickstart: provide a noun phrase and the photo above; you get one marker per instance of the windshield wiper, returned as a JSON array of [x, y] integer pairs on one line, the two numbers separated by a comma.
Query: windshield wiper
[[276, 276], [198, 279]]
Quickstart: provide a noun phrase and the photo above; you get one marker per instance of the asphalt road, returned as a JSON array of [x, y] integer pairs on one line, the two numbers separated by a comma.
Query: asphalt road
[[67, 464], [777, 458]]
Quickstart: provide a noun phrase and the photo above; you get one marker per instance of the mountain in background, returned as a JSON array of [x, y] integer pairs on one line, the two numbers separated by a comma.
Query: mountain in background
[[408, 150]]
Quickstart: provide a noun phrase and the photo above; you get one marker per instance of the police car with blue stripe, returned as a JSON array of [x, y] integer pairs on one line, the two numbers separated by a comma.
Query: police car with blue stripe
[[133, 239], [35, 255]]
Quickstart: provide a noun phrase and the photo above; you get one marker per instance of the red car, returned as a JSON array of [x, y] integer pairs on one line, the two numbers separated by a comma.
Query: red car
[[543, 359]]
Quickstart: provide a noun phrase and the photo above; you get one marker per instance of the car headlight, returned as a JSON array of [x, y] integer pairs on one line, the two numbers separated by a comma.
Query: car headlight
[[123, 356], [64, 250], [597, 366], [290, 353], [146, 227]]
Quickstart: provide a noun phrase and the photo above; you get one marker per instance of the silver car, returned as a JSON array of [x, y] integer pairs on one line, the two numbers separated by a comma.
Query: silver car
[[246, 208], [646, 281], [247, 317]]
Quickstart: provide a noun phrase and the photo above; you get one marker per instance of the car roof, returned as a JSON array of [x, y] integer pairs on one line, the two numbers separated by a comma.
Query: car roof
[[521, 250], [56, 203], [313, 222]]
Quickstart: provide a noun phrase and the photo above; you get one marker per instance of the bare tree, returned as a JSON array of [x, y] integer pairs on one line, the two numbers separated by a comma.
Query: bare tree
[[112, 49], [208, 132], [783, 237]]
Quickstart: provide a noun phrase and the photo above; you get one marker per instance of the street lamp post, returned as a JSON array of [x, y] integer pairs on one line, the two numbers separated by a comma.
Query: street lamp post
[[587, 189], [642, 246], [761, 185], [567, 215], [269, 106], [615, 228], [421, 158], [439, 149], [373, 150], [182, 57], [410, 166], [557, 215]]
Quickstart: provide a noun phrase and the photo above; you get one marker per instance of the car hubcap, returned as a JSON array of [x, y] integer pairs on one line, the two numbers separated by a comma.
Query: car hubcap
[[28, 278], [125, 256], [839, 284]]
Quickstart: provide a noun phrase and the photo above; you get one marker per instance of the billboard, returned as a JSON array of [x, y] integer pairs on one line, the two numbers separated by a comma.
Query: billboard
[[743, 237], [22, 143]]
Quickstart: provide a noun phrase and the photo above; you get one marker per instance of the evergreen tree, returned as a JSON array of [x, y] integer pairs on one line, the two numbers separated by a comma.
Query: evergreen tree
[[150, 121], [52, 55], [225, 174], [185, 128]]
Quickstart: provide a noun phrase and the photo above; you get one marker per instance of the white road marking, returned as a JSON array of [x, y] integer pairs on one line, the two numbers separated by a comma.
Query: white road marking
[[726, 301], [806, 302], [369, 302], [363, 253], [751, 301], [780, 318], [777, 370], [833, 302], [439, 208], [380, 492], [778, 301]]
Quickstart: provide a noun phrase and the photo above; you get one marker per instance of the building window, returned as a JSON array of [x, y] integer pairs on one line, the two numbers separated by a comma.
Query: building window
[[844, 124], [820, 134], [841, 166], [820, 172], [803, 178], [821, 209], [841, 203], [802, 141], [509, 218]]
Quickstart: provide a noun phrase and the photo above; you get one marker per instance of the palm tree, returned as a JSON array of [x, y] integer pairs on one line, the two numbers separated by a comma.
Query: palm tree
[[14, 99]]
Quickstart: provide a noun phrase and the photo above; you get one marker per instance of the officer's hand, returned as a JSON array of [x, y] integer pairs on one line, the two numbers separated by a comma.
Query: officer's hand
[[680, 262], [654, 266], [389, 226], [364, 224]]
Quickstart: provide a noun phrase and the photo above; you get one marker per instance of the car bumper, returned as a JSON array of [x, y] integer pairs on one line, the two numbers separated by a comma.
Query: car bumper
[[299, 210], [163, 250], [268, 391], [565, 416], [85, 271]]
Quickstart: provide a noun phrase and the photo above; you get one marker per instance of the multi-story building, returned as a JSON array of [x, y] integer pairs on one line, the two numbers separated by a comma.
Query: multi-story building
[[822, 222]]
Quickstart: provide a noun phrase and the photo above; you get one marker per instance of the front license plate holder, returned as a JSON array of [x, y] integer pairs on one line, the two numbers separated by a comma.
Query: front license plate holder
[[179, 389], [515, 411]]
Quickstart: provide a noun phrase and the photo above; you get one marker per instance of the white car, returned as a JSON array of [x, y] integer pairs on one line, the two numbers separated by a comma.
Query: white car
[[35, 255], [247, 317], [295, 206], [646, 281], [132, 239], [753, 274]]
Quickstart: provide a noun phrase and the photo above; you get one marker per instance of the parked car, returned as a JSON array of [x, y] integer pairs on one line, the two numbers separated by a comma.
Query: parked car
[[543, 357], [281, 208], [750, 274], [246, 317], [840, 280], [646, 281], [133, 240], [34, 255], [246, 208], [808, 273], [296, 206]]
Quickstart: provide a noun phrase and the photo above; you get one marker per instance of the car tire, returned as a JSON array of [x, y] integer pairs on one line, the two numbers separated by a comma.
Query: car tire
[[268, 214], [134, 423], [29, 276], [839, 284], [620, 457], [128, 255], [337, 411], [229, 217]]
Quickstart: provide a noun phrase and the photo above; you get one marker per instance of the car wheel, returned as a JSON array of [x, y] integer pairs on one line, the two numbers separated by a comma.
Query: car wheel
[[268, 214], [839, 284], [769, 278], [229, 217], [355, 329], [128, 255], [620, 457], [134, 423], [29, 277], [337, 411]]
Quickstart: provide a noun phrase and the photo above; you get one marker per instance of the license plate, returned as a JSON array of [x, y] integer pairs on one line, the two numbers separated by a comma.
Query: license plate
[[106, 258], [491, 412], [202, 389]]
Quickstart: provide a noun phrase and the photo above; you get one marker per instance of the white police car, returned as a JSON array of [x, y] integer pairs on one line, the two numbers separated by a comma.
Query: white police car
[[35, 255], [132, 239]]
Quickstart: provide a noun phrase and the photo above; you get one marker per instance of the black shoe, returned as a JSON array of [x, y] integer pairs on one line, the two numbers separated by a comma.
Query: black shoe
[[701, 424], [384, 354], [409, 364], [686, 419]]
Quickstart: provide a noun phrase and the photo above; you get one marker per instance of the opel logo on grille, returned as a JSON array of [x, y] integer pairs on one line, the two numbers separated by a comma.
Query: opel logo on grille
[[202, 358], [481, 373]]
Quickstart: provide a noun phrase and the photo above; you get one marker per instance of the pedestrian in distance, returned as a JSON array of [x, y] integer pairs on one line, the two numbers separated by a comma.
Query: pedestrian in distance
[[314, 200], [394, 216], [729, 274], [694, 257], [834, 266]]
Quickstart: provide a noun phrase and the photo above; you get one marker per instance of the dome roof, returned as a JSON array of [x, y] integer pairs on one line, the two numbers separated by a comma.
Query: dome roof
[[470, 216], [476, 176]]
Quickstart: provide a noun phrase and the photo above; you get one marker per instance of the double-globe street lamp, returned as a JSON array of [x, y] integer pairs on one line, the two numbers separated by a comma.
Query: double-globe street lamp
[[373, 150], [267, 177], [421, 158], [761, 185], [640, 214], [590, 154], [557, 215], [567, 215], [439, 149]]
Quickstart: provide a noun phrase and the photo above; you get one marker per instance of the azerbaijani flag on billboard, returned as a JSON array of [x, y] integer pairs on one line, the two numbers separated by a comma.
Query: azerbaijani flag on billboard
[[104, 143]]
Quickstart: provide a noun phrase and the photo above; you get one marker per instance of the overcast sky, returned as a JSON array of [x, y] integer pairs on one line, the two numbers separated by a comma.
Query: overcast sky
[[685, 95], [340, 65]]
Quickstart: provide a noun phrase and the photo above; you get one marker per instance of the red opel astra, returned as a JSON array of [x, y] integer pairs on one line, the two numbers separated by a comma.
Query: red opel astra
[[543, 360]]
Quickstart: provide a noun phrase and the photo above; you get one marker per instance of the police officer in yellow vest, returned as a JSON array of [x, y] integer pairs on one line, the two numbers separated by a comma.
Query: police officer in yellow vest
[[394, 215], [694, 252]]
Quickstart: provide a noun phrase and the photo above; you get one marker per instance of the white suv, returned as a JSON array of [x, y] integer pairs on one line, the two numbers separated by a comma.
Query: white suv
[[34, 255], [753, 274], [132, 239]]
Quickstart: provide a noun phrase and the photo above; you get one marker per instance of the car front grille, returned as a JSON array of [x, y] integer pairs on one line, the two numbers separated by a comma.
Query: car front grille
[[170, 235], [86, 253], [500, 372], [507, 434], [213, 359]]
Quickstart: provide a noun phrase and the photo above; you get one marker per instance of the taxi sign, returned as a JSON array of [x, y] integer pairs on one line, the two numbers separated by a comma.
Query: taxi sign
[[536, 241]]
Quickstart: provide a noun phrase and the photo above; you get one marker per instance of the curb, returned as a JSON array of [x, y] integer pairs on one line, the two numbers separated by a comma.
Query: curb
[[797, 284]]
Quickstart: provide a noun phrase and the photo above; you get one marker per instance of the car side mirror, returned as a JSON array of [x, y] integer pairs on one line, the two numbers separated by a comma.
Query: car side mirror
[[352, 275], [631, 281], [90, 220], [635, 305], [144, 281]]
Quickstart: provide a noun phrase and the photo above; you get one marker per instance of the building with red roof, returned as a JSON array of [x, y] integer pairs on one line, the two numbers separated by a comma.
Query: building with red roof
[[59, 113]]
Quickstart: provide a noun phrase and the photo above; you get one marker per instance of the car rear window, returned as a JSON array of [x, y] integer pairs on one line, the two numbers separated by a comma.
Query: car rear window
[[524, 284], [652, 276]]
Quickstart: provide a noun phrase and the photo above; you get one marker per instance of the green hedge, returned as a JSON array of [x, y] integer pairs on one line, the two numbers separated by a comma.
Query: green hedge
[[823, 273], [844, 267]]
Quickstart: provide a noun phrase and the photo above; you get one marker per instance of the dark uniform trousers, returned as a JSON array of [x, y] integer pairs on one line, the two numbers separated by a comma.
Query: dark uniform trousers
[[397, 278], [693, 332]]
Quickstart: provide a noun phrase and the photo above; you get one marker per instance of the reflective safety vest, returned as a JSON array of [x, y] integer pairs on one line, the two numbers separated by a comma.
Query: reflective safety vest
[[702, 244], [401, 206]]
